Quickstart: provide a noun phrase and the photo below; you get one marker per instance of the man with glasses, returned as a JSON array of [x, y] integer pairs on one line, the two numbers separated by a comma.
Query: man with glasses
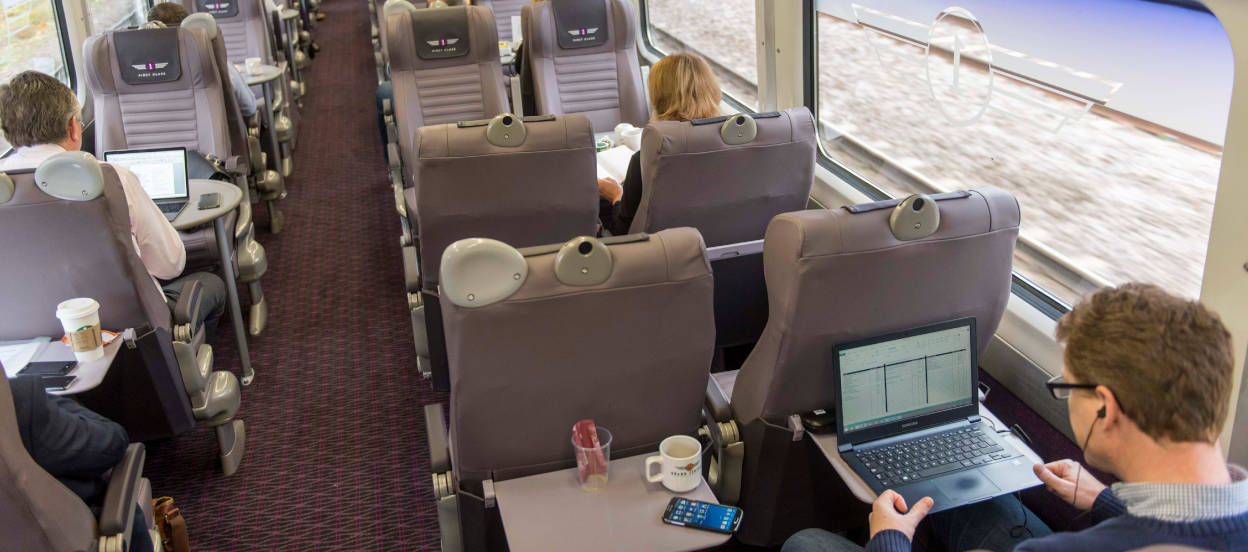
[[1147, 378]]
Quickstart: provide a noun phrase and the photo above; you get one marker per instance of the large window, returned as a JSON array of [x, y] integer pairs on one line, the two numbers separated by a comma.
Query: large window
[[1105, 119], [106, 15], [30, 39], [723, 32]]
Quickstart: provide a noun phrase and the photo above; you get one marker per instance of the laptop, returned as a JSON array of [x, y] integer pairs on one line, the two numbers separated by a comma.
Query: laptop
[[161, 172], [907, 416]]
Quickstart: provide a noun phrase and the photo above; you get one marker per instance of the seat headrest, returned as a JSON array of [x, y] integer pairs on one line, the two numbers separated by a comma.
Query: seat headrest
[[203, 21], [583, 261], [580, 23], [441, 33], [147, 56], [71, 175], [506, 131], [438, 4], [738, 129], [392, 7], [478, 271], [6, 188], [217, 8], [916, 217]]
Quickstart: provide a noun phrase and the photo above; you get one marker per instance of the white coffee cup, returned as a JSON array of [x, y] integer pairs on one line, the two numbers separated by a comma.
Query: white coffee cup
[[631, 137], [618, 134], [80, 317], [253, 65], [680, 461]]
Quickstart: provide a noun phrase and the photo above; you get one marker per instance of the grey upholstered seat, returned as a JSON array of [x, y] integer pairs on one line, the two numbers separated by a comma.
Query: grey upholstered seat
[[728, 191], [158, 87], [163, 385], [504, 10], [582, 58], [540, 189], [37, 512], [541, 340], [444, 68], [835, 276]]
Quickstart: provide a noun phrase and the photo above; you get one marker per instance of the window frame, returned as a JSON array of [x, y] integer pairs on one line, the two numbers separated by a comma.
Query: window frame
[[652, 53]]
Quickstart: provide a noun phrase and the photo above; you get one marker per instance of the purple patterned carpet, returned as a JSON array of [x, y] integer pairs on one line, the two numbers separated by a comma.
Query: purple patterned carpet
[[336, 457]]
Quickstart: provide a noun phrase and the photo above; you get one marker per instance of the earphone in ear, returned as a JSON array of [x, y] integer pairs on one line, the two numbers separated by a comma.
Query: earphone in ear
[[1100, 413]]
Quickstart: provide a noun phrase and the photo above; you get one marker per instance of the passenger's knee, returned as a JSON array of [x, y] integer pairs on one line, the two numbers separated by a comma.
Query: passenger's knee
[[817, 540]]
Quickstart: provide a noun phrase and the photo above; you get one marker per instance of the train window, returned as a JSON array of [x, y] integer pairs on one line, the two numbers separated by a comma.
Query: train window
[[722, 32], [106, 15], [31, 38], [1106, 120]]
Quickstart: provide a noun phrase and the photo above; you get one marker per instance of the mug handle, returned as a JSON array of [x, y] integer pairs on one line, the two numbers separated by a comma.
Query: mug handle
[[655, 478]]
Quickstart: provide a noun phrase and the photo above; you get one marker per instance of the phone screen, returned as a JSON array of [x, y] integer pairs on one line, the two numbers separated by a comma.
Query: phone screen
[[56, 383], [53, 368], [702, 515]]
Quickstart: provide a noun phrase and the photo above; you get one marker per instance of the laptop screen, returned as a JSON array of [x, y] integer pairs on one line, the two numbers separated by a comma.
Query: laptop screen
[[162, 173], [897, 378]]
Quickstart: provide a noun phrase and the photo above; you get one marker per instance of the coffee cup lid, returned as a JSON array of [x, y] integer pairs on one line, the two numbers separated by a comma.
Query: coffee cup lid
[[77, 308]]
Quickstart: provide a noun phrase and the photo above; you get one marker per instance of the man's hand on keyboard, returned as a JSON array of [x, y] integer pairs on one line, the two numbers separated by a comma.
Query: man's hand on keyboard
[[890, 512]]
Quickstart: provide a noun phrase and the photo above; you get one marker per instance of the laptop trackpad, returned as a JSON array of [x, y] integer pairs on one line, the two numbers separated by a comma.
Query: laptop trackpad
[[967, 486]]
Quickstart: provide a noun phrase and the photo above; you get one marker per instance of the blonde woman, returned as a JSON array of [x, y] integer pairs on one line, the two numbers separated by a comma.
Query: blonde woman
[[682, 88]]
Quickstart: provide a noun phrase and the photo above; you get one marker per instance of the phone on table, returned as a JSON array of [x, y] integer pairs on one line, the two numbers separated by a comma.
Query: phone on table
[[52, 368], [56, 383], [702, 515], [210, 200]]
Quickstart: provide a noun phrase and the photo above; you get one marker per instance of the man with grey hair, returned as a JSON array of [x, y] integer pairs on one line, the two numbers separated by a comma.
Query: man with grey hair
[[40, 117]]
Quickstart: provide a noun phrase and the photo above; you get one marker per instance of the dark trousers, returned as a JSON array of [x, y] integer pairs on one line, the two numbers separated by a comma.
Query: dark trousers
[[212, 294]]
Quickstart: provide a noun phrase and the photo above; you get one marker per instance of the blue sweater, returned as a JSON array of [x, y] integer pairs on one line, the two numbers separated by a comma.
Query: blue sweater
[[1116, 530]]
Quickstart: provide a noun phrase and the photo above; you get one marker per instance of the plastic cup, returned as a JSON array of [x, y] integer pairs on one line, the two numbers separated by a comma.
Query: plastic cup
[[592, 462], [80, 317]]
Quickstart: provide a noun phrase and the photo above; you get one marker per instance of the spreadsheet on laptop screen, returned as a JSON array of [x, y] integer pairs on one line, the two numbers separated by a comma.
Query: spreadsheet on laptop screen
[[161, 173], [901, 378]]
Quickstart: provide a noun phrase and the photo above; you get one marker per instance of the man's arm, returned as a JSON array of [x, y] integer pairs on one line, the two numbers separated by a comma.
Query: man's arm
[[160, 247], [242, 92], [1107, 506]]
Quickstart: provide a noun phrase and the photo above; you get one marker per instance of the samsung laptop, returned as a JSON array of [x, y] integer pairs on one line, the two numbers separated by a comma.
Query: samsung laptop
[[161, 172], [907, 415]]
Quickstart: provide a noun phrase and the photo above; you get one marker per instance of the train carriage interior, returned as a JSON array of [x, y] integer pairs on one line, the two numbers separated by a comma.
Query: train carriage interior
[[546, 275]]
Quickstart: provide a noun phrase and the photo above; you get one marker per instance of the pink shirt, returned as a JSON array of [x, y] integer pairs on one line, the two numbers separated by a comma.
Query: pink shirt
[[157, 242]]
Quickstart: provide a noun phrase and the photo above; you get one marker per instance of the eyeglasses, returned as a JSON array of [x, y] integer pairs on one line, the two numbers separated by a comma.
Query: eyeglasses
[[1060, 389]]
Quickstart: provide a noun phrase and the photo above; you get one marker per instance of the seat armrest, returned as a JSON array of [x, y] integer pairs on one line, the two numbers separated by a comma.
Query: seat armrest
[[188, 304], [716, 402], [117, 514], [435, 431], [231, 165]]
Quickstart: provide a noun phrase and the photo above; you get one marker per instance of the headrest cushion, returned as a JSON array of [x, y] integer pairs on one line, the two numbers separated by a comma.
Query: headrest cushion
[[478, 271], [392, 7], [6, 188], [506, 131], [147, 56], [583, 261], [441, 33], [217, 8], [203, 21], [580, 23], [738, 129], [916, 217], [71, 175]]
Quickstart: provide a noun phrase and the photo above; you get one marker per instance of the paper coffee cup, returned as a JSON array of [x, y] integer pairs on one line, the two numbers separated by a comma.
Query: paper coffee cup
[[617, 134], [631, 137], [80, 317], [253, 65]]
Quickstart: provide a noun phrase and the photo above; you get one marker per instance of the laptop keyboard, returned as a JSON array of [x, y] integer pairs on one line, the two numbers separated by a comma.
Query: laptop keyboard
[[169, 207], [931, 456]]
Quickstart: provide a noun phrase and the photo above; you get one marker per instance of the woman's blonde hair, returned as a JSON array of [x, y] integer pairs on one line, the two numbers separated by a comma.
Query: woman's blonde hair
[[683, 88]]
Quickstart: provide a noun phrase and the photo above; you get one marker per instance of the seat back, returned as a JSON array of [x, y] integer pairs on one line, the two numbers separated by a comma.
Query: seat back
[[539, 191], [582, 57], [235, 123], [244, 26], [835, 276], [156, 88], [711, 175], [550, 350], [504, 10], [37, 512], [444, 68]]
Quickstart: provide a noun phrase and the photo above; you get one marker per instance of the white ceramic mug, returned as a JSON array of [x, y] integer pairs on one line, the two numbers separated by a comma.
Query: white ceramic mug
[[617, 135], [631, 137], [680, 462]]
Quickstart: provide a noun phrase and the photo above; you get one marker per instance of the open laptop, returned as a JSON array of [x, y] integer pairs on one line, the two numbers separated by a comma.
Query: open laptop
[[161, 172], [907, 415]]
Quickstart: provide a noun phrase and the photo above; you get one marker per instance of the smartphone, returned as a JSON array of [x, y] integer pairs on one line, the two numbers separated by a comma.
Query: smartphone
[[210, 200], [56, 383], [54, 368], [702, 515]]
